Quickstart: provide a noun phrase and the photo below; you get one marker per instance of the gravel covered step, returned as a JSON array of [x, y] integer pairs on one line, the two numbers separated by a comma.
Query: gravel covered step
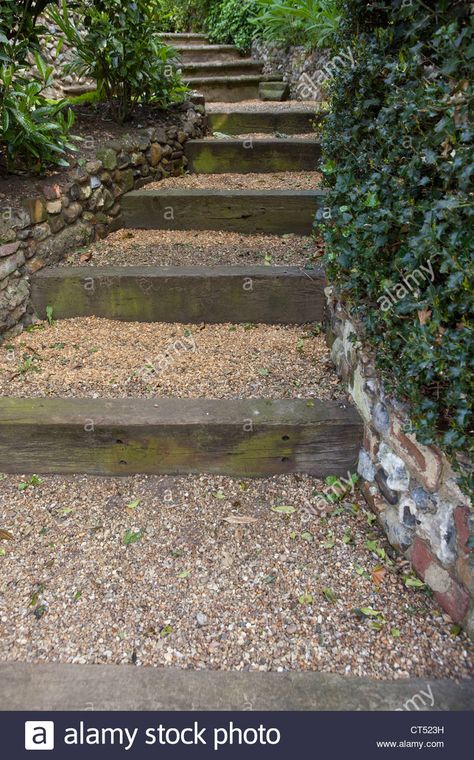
[[237, 67], [245, 122], [125, 248], [190, 53], [183, 37], [252, 155], [248, 438], [248, 210], [228, 88], [273, 295]]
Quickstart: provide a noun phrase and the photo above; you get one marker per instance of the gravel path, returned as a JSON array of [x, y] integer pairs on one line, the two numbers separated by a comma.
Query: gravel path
[[259, 136], [201, 572], [193, 248], [270, 181], [306, 106], [91, 357]]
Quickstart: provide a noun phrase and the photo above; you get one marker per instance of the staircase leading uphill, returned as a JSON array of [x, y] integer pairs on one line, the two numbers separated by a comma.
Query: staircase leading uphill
[[241, 186], [220, 72]]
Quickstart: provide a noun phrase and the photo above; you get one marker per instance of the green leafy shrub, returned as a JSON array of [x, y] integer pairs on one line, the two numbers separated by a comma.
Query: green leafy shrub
[[181, 15], [312, 23], [33, 131], [122, 51], [398, 162], [230, 22]]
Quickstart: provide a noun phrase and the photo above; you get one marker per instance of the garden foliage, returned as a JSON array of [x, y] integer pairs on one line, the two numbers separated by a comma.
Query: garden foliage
[[232, 22], [121, 49], [181, 15], [311, 23], [398, 164], [33, 130]]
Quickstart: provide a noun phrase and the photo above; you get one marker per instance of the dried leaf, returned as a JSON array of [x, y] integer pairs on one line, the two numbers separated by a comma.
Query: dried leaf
[[5, 535], [424, 316], [239, 519], [378, 574]]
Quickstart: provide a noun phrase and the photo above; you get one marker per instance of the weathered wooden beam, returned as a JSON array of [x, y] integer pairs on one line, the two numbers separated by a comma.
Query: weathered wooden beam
[[250, 438], [252, 155], [245, 122], [272, 295], [248, 211]]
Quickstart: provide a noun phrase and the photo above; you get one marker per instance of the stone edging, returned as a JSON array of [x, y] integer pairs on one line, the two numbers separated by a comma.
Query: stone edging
[[411, 487], [80, 207]]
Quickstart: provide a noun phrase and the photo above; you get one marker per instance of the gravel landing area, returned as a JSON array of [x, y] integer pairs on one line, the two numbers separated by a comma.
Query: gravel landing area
[[270, 181], [202, 572], [259, 136], [193, 248], [306, 106], [91, 357]]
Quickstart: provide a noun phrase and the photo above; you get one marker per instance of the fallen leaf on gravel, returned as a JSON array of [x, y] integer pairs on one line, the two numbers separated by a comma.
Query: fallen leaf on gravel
[[85, 257], [5, 535], [284, 509], [307, 536], [378, 574], [329, 543], [131, 536], [133, 504], [219, 495], [239, 519], [306, 598], [329, 594]]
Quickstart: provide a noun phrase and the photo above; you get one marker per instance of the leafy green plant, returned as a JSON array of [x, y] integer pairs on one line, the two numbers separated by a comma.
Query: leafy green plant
[[181, 15], [232, 22], [398, 155], [122, 51], [312, 23], [33, 481], [33, 130], [49, 315]]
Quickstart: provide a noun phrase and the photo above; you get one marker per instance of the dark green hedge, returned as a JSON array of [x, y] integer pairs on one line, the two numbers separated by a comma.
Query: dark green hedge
[[398, 163]]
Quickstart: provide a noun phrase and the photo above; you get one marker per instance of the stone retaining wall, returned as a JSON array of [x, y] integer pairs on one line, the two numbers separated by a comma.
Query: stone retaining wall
[[78, 207], [296, 65], [411, 487]]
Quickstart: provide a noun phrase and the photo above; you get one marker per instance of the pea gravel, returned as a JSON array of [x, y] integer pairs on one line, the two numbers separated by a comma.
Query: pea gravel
[[92, 357], [166, 572], [305, 106], [271, 181], [193, 248]]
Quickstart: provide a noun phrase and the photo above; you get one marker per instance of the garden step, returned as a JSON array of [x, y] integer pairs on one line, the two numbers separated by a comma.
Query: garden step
[[177, 436], [183, 37], [207, 52], [272, 295], [236, 67], [250, 211], [245, 122], [252, 155], [230, 89]]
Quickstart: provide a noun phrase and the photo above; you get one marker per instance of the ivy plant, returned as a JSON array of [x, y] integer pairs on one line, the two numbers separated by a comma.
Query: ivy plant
[[398, 162]]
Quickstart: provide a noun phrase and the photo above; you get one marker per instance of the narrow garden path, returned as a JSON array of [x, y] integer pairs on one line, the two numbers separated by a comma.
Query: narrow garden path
[[187, 569]]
